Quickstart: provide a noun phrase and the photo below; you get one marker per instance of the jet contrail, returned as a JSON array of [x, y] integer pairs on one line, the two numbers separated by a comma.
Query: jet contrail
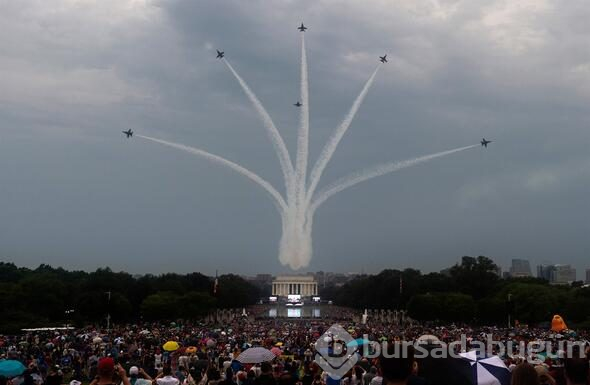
[[303, 136], [274, 135], [297, 206], [373, 172], [277, 198], [330, 147]]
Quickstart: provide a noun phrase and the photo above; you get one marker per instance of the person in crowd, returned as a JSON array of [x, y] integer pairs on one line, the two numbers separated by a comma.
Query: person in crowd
[[228, 379], [166, 377], [108, 373], [368, 376], [266, 375], [576, 371], [524, 374], [138, 376], [397, 370], [181, 374], [55, 376], [544, 377]]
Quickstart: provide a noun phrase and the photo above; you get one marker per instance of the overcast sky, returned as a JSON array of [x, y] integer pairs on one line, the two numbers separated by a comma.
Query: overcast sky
[[75, 193]]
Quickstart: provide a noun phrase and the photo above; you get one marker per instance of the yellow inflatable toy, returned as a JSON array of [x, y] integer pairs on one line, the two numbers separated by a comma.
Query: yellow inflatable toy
[[558, 324]]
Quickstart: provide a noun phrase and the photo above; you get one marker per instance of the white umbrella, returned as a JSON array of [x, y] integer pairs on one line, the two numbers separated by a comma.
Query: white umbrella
[[256, 355], [488, 370], [428, 339]]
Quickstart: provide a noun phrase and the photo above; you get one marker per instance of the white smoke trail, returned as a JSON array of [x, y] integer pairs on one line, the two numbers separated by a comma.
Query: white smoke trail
[[274, 135], [277, 198], [332, 144], [303, 136], [361, 176]]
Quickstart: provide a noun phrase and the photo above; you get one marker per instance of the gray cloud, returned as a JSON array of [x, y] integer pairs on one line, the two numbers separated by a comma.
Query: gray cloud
[[74, 74]]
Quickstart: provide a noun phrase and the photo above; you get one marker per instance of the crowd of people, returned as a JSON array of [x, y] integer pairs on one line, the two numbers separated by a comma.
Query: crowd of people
[[207, 353]]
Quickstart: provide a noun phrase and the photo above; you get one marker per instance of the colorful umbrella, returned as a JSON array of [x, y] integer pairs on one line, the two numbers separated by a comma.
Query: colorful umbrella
[[11, 368], [488, 370], [276, 351], [171, 346], [191, 350], [358, 342], [255, 356]]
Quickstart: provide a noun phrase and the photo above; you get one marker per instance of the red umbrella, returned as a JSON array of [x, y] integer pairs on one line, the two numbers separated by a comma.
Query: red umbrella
[[276, 351]]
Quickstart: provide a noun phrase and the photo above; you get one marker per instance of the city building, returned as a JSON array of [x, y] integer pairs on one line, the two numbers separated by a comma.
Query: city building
[[587, 275], [498, 271], [285, 285], [520, 268], [563, 275], [545, 271]]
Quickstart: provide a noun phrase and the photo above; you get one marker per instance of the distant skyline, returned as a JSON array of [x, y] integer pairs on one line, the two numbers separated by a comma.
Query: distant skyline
[[534, 271], [75, 193]]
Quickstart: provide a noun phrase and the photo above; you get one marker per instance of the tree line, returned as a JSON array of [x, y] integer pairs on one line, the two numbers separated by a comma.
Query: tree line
[[469, 292], [48, 296]]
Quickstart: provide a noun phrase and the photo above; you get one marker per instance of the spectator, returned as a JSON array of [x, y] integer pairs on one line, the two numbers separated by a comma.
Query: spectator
[[55, 376], [525, 374], [397, 370], [108, 373], [544, 376], [576, 371], [266, 377], [166, 377], [138, 376], [368, 376]]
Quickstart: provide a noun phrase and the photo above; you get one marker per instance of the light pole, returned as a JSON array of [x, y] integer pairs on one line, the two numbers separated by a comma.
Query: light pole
[[108, 310]]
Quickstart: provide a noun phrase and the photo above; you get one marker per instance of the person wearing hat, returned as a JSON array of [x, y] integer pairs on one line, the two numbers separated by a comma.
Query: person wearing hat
[[110, 374], [138, 376]]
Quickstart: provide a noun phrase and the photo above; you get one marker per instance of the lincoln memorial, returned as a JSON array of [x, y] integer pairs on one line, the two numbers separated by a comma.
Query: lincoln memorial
[[304, 285]]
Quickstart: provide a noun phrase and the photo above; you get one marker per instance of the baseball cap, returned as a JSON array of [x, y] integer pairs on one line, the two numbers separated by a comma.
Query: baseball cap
[[106, 364], [133, 371]]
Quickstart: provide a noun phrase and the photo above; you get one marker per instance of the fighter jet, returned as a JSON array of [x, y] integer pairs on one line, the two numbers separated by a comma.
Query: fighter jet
[[129, 133], [383, 59], [302, 28], [484, 142], [220, 54], [298, 104]]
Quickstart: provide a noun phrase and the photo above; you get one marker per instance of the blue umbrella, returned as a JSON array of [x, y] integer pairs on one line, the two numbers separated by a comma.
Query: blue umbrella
[[11, 368], [358, 342]]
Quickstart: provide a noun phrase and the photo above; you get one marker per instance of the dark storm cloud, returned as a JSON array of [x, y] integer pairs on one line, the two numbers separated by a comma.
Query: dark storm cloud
[[74, 73]]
